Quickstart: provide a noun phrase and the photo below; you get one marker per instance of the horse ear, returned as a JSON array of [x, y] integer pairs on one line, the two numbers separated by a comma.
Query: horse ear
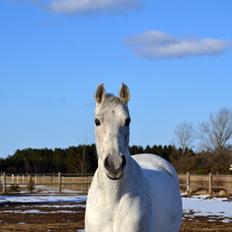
[[124, 94], [100, 93]]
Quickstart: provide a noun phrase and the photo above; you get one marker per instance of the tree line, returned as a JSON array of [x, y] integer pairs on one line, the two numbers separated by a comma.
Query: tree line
[[76, 159], [214, 153], [82, 160]]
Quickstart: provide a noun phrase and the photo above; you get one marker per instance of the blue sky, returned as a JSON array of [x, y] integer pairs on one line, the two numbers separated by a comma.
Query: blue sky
[[175, 56]]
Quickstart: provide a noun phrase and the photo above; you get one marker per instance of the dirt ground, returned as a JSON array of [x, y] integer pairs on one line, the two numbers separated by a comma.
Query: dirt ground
[[59, 218], [47, 217], [201, 224]]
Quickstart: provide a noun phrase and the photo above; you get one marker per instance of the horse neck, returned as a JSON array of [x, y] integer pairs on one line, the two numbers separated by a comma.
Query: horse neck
[[112, 191]]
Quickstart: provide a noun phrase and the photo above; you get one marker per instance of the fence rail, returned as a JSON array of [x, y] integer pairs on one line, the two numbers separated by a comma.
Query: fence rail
[[212, 183], [44, 183], [75, 184]]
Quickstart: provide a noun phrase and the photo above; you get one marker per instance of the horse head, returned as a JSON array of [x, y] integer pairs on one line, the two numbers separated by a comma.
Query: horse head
[[112, 121]]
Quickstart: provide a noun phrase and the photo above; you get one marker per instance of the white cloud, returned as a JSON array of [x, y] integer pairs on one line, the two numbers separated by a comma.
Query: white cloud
[[159, 45], [88, 6]]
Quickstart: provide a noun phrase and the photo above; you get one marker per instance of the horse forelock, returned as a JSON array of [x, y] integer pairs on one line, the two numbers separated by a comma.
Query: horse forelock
[[110, 102]]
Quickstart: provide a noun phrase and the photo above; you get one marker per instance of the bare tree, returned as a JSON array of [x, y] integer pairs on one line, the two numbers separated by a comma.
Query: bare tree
[[216, 134], [204, 137], [184, 133], [83, 160]]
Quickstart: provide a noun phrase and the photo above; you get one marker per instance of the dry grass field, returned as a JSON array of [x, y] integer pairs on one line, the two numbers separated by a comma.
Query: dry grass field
[[69, 217], [60, 217], [201, 224]]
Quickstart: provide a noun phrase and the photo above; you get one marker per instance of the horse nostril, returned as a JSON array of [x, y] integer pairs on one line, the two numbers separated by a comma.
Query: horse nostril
[[106, 163], [123, 161]]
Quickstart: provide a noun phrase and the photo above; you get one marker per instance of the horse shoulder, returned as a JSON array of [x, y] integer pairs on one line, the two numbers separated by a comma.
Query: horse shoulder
[[156, 163], [163, 187]]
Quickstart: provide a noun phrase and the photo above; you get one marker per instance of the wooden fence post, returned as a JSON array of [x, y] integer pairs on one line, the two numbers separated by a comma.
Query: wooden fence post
[[59, 182], [210, 184], [73, 185], [4, 183], [87, 183], [188, 182]]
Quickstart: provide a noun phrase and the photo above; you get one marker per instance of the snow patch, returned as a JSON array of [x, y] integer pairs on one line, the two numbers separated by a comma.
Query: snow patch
[[201, 206], [34, 211], [42, 199]]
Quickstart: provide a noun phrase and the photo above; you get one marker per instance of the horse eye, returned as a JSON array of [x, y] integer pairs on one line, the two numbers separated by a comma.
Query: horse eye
[[97, 122], [127, 122]]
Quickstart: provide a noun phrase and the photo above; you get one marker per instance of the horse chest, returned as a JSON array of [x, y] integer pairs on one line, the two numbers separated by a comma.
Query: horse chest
[[126, 215]]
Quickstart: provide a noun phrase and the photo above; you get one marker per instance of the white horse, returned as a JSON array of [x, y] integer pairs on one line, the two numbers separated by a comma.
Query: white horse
[[128, 193]]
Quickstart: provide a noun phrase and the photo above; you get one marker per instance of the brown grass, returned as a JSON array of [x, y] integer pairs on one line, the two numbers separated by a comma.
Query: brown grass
[[74, 220], [201, 224]]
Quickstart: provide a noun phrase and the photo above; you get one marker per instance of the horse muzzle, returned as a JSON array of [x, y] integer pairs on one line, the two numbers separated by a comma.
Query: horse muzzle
[[114, 165]]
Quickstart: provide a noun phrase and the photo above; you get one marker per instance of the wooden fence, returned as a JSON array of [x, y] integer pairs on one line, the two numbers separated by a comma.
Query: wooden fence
[[75, 184], [45, 183], [213, 184]]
